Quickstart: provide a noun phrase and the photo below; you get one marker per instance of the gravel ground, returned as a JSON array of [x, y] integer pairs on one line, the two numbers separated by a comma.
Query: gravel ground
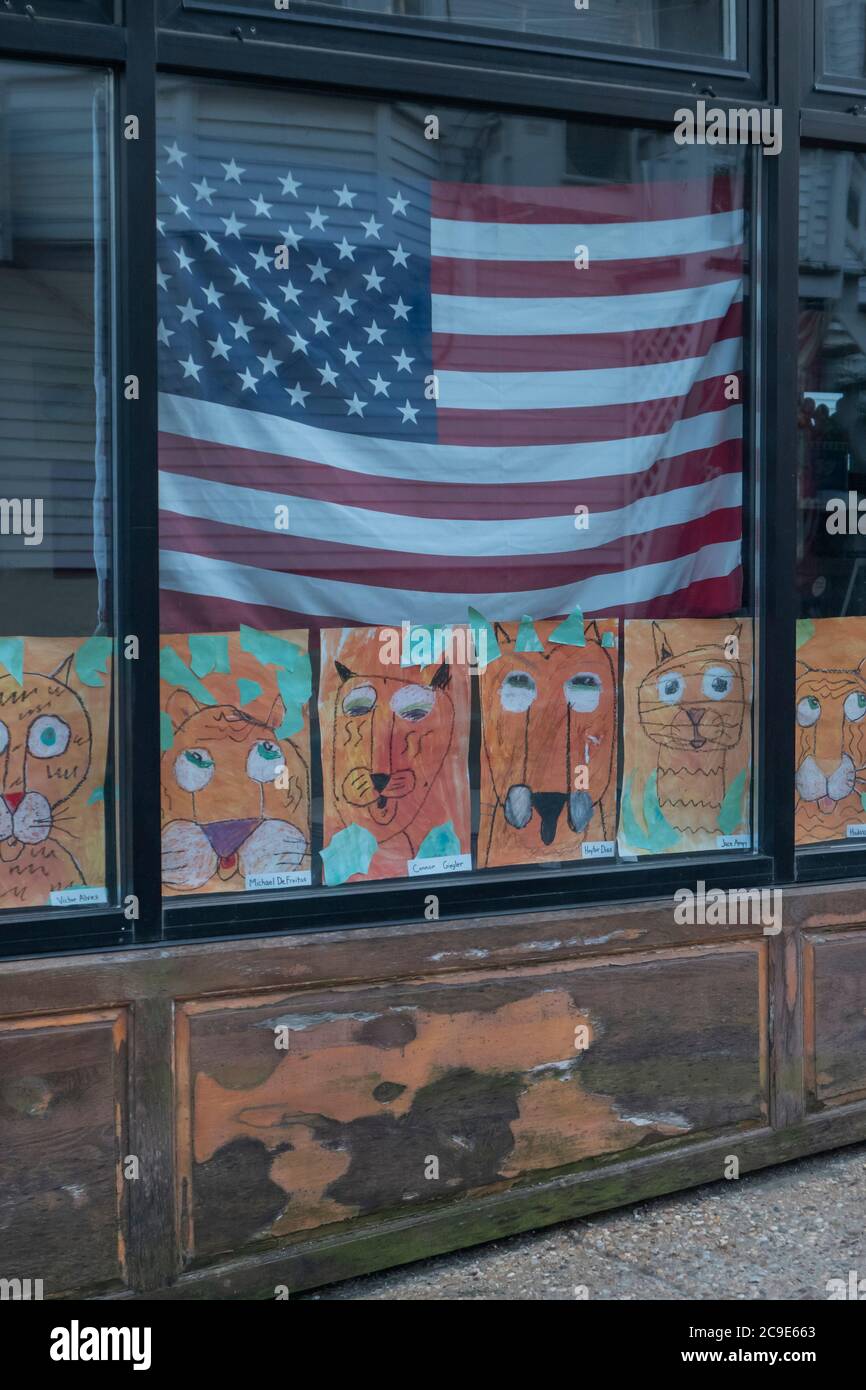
[[777, 1234]]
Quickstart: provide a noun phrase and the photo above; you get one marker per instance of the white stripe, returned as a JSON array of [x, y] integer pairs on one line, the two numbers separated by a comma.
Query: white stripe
[[624, 313], [254, 430], [607, 241], [329, 598], [337, 524], [550, 390]]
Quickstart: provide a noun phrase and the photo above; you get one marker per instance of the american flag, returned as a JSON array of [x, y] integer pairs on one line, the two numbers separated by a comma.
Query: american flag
[[387, 399]]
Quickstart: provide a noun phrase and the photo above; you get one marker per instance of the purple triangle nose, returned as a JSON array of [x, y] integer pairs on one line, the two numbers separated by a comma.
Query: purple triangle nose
[[228, 835]]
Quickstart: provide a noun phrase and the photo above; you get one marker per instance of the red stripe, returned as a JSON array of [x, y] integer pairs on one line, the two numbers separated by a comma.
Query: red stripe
[[705, 598], [630, 202], [562, 280], [583, 424], [465, 352], [458, 501], [451, 574]]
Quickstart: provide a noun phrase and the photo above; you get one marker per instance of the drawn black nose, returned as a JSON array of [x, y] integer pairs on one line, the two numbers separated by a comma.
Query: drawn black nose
[[549, 806], [380, 780]]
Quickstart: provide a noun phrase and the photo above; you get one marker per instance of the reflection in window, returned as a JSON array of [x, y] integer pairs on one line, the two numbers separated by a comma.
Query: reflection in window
[[845, 38], [681, 26], [55, 486]]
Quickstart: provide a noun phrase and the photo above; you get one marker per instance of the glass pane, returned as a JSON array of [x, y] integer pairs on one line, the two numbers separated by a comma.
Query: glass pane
[[831, 635], [678, 26], [845, 38], [437, 414], [55, 481]]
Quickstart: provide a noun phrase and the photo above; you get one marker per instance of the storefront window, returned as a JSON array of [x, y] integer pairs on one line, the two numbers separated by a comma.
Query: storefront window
[[844, 38], [55, 480], [451, 493], [831, 634]]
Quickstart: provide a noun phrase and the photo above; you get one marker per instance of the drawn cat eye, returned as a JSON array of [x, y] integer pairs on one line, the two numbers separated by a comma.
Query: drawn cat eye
[[518, 692], [855, 706], [583, 692], [48, 737], [360, 700], [194, 769], [808, 712], [671, 688], [718, 682], [413, 702], [265, 760], [4, 738]]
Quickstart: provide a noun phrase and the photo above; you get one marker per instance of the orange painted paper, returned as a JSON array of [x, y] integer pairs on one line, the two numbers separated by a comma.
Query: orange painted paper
[[830, 779], [530, 756], [240, 816], [395, 768]]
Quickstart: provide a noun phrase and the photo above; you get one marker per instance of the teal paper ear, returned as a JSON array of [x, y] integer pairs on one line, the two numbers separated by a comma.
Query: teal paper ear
[[91, 660], [209, 651], [174, 671], [570, 631], [248, 691], [484, 637], [350, 852], [528, 639], [12, 657], [439, 841]]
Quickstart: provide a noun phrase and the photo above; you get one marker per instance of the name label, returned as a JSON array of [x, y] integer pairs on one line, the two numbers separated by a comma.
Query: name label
[[598, 849], [734, 841], [301, 878], [78, 897], [443, 864], [855, 832]]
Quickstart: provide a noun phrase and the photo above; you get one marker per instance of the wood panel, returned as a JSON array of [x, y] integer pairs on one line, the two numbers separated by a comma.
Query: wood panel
[[835, 1008], [62, 1106], [388, 1100]]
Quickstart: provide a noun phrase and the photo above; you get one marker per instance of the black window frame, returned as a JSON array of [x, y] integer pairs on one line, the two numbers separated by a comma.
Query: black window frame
[[136, 53]]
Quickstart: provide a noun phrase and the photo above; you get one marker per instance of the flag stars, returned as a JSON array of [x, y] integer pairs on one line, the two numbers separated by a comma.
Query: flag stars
[[345, 199], [291, 238], [161, 278], [318, 271], [290, 188], [409, 413], [241, 329], [183, 259], [320, 324], [270, 363], [262, 209], [180, 206], [233, 171], [297, 395], [404, 363], [269, 310], [175, 154], [290, 293], [346, 250], [240, 277], [300, 344], [371, 227], [188, 314], [209, 243], [160, 226], [399, 256], [374, 333], [212, 295], [261, 258], [163, 334], [374, 280], [380, 387], [317, 219], [344, 303], [232, 225], [218, 347], [400, 310], [351, 356], [190, 368], [328, 375], [399, 204], [248, 381], [204, 192], [356, 406]]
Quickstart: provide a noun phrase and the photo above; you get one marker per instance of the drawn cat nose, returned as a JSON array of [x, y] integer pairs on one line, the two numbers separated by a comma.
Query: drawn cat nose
[[13, 800], [226, 836], [380, 780], [695, 715]]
